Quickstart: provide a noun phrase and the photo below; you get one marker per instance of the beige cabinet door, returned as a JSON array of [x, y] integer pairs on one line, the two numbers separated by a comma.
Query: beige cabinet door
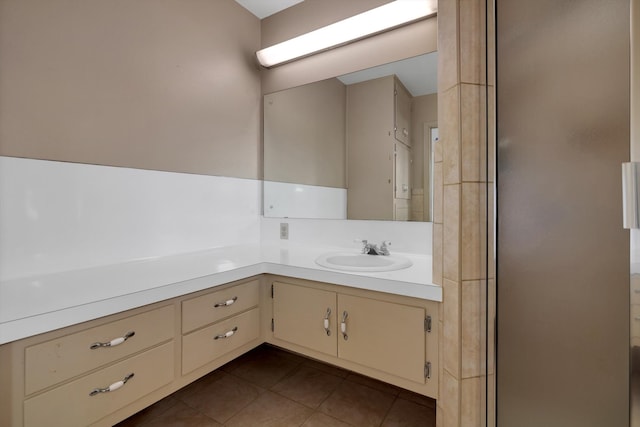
[[402, 113], [370, 149], [300, 315], [402, 172], [386, 336]]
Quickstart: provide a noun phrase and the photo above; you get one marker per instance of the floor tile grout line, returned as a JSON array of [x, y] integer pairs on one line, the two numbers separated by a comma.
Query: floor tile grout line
[[388, 411], [148, 421], [236, 413], [296, 365]]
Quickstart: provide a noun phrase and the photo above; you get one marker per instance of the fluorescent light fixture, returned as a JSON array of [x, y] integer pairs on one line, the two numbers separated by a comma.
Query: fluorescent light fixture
[[385, 17]]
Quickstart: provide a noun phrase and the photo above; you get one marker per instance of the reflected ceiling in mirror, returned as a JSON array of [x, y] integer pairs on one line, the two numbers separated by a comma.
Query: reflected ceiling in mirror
[[357, 146]]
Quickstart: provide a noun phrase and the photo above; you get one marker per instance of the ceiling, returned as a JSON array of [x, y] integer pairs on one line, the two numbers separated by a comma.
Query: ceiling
[[264, 8]]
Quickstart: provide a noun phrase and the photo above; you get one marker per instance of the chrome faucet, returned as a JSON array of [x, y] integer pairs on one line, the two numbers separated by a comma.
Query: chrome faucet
[[372, 248]]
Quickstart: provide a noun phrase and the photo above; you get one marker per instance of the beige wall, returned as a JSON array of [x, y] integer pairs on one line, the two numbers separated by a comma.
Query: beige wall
[[304, 134], [167, 85]]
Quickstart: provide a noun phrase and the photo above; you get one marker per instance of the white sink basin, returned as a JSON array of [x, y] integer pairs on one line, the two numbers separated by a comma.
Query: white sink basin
[[350, 261]]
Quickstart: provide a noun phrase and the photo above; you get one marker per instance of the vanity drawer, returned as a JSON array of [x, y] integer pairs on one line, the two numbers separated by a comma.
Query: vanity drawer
[[209, 308], [201, 347], [57, 360], [72, 405]]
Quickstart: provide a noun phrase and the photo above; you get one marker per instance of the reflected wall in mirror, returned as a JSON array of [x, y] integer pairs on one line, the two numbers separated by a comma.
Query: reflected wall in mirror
[[356, 146]]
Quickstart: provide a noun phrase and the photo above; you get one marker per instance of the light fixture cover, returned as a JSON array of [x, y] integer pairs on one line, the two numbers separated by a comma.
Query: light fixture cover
[[373, 21]]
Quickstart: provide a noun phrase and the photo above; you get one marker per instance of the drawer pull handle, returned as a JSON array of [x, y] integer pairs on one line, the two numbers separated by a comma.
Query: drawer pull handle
[[112, 387], [326, 322], [226, 303], [343, 325], [114, 342], [227, 334]]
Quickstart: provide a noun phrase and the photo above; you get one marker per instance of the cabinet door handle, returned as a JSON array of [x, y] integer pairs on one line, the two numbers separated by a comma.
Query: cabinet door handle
[[226, 303], [343, 325], [326, 321], [226, 334], [112, 387], [114, 342]]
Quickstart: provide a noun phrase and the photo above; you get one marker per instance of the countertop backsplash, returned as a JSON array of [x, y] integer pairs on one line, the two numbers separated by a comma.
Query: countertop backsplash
[[57, 216], [411, 237]]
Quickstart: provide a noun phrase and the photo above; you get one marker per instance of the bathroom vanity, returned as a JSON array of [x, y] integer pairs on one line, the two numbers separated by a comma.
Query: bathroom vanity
[[100, 369]]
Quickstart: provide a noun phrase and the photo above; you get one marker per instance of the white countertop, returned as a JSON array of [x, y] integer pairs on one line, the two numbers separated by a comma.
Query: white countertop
[[33, 305]]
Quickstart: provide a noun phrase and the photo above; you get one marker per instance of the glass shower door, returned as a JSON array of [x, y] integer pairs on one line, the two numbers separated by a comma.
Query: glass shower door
[[634, 294]]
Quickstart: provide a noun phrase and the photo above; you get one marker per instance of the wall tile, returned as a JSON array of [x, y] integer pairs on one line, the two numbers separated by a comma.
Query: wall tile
[[471, 402], [449, 125], [473, 231], [491, 48], [440, 348], [450, 400], [472, 329], [438, 190], [462, 112], [451, 327], [472, 30], [437, 254], [439, 416], [448, 73], [451, 233], [472, 132]]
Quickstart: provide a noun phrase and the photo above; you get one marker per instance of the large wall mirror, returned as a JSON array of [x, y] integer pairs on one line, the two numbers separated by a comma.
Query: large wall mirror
[[356, 146]]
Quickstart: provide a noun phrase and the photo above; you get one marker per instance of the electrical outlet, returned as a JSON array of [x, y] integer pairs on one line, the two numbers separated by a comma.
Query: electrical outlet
[[284, 230]]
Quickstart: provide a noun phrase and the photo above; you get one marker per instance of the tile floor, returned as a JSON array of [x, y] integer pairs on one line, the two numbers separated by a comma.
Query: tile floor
[[272, 387]]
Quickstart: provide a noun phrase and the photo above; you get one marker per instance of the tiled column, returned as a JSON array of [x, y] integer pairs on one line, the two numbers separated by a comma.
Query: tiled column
[[460, 210]]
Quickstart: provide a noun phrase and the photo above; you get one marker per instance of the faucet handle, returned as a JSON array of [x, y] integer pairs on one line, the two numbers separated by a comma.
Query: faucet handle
[[384, 247], [365, 244]]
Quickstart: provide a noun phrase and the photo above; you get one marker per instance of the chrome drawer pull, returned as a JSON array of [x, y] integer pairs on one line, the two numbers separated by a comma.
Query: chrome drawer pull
[[226, 335], [114, 342], [226, 303], [112, 387], [343, 325], [326, 321]]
